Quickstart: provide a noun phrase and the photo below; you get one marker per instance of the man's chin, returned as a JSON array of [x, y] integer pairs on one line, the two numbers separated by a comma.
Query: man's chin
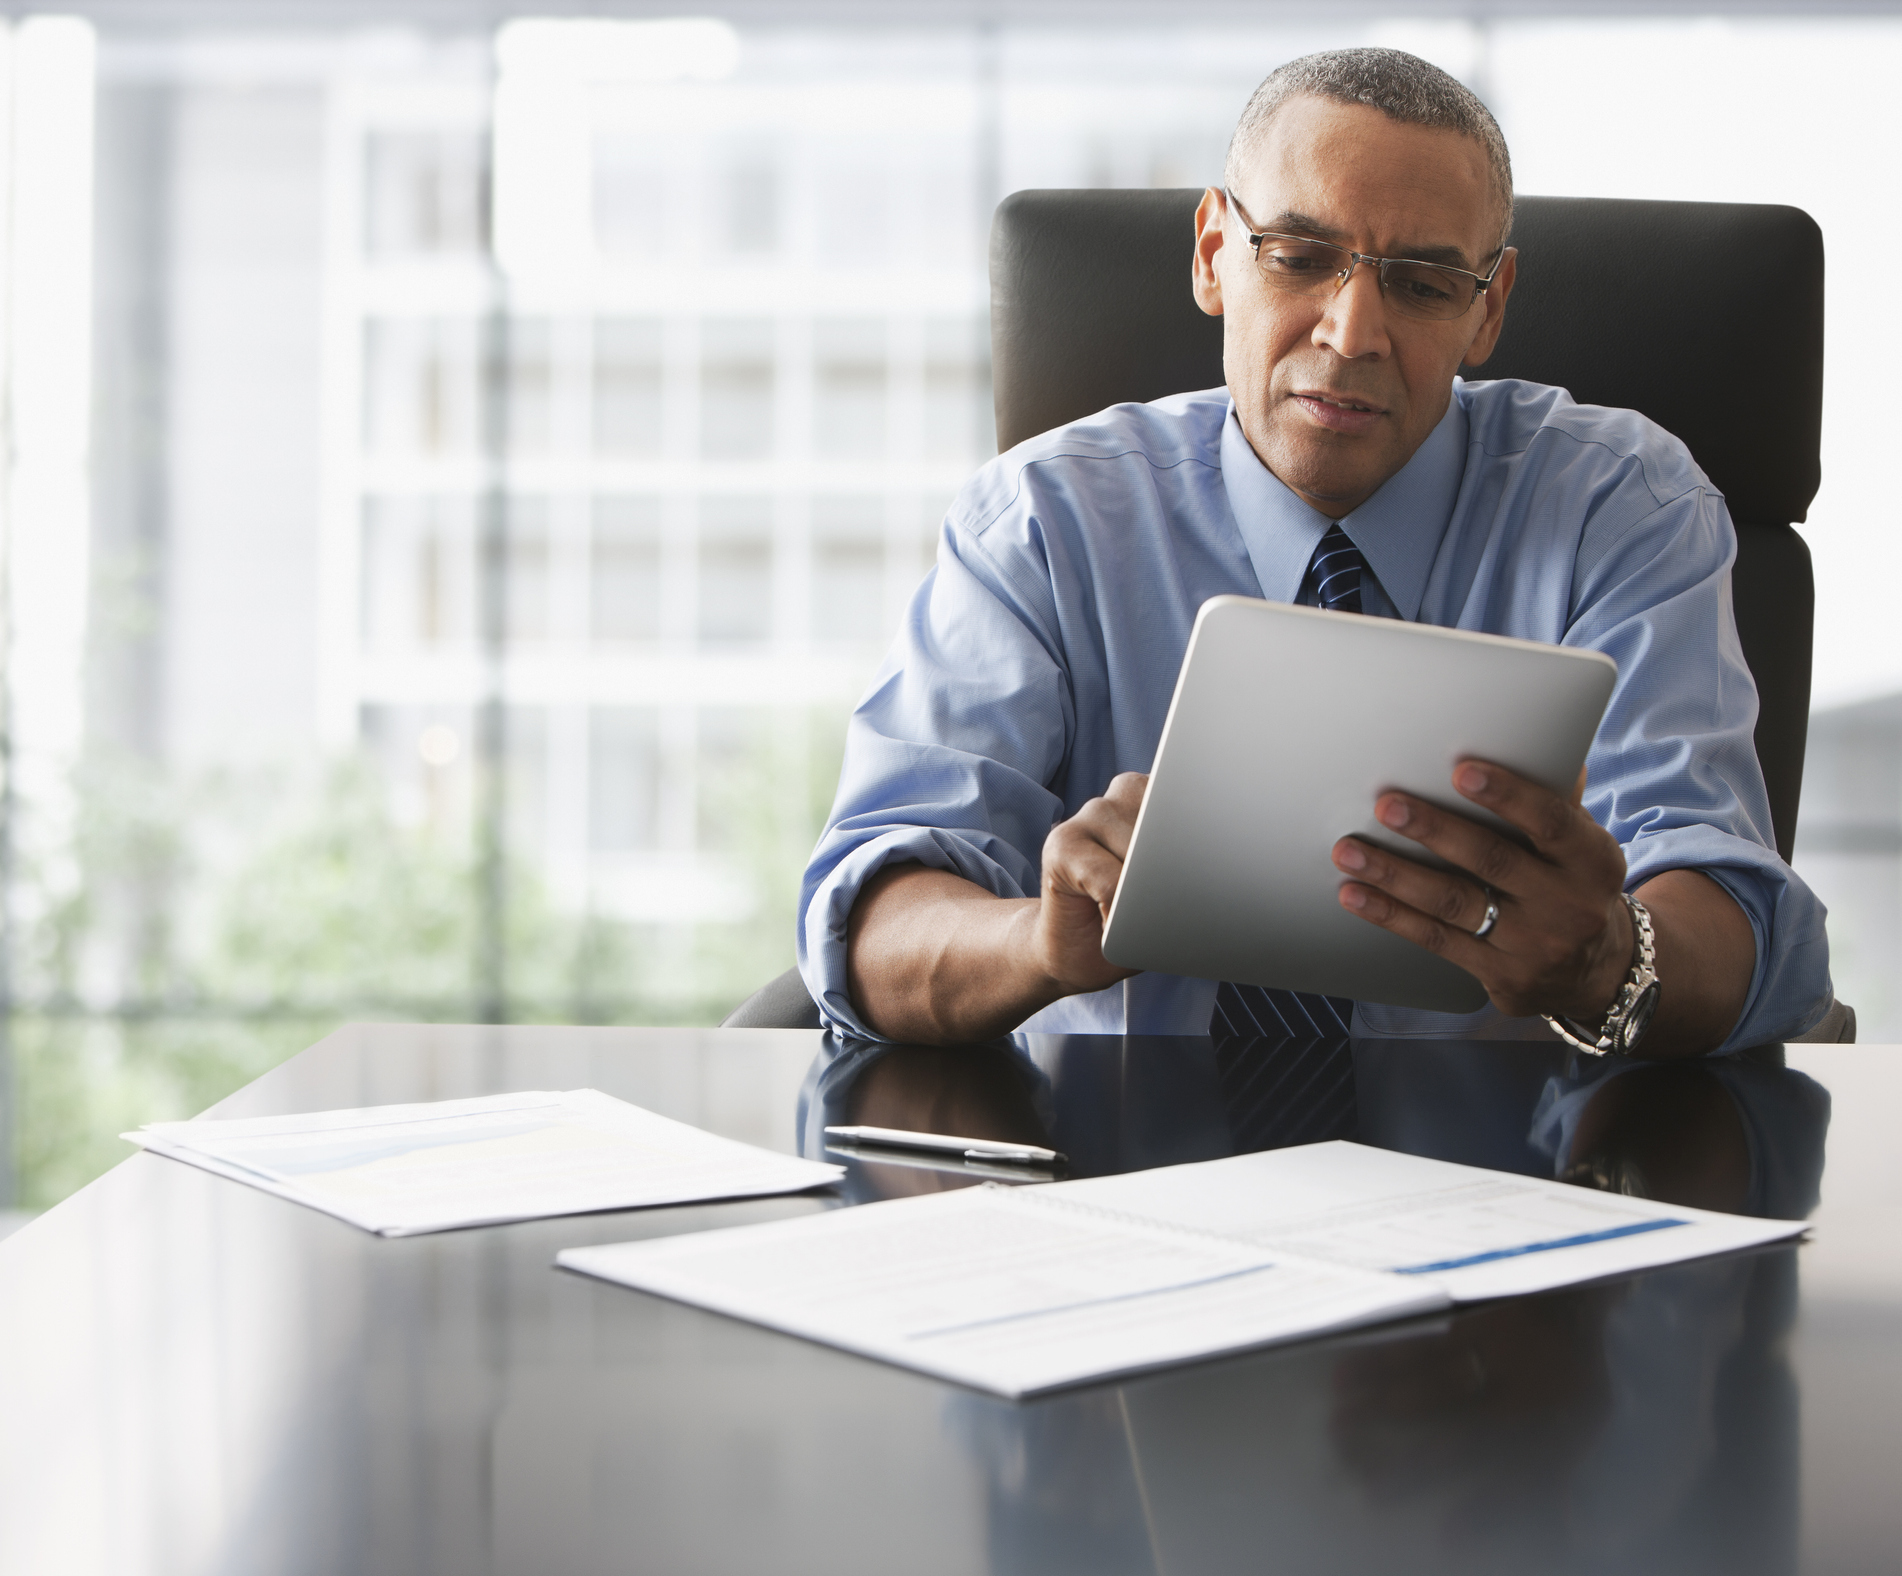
[[1334, 490], [1331, 471]]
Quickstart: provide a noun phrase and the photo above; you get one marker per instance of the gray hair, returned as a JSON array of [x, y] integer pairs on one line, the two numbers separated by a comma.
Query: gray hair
[[1402, 87]]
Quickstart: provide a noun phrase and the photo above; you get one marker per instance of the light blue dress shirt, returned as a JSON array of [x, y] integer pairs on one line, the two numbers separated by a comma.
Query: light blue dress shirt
[[1038, 659]]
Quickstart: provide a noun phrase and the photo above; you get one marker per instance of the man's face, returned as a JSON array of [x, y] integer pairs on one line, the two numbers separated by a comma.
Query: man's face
[[1336, 391]]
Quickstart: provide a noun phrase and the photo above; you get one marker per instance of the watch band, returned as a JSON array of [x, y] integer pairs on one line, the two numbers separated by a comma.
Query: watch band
[[1637, 998]]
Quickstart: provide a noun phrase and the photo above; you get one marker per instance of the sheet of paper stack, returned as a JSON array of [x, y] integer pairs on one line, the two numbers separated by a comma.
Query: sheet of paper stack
[[400, 1170]]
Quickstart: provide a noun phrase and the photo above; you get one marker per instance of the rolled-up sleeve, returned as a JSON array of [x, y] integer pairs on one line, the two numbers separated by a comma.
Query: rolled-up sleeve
[[1673, 774], [946, 757]]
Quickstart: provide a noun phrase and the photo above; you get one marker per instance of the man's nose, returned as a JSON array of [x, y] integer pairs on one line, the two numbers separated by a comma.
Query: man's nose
[[1354, 317]]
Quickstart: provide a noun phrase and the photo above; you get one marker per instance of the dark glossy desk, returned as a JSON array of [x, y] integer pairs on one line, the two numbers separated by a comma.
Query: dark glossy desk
[[198, 1378]]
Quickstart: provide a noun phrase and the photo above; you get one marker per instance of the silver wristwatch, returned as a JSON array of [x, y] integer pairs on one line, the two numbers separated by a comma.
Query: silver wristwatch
[[1637, 1001]]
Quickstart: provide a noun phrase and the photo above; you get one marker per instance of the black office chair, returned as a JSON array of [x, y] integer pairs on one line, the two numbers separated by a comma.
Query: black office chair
[[781, 1003], [1707, 317]]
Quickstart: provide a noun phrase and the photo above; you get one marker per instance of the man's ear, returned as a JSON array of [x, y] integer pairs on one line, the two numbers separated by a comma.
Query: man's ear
[[1210, 215], [1495, 301]]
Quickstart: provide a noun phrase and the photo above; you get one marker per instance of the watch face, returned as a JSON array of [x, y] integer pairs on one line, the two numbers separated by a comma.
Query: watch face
[[1638, 1019]]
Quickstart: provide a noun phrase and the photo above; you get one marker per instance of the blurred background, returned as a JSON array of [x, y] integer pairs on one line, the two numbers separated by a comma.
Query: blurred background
[[461, 467]]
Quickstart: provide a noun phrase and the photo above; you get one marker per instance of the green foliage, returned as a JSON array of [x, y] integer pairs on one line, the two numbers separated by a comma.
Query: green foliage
[[771, 802], [116, 871], [240, 919], [83, 1081], [345, 907]]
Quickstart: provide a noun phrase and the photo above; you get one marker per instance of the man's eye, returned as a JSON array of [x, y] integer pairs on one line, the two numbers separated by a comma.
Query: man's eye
[[1426, 291], [1299, 263]]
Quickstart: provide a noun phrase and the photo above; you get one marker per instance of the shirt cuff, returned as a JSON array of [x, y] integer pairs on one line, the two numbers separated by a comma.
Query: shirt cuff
[[828, 908], [1789, 982]]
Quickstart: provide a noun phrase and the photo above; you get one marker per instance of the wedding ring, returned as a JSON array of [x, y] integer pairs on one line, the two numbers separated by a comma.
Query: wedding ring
[[1486, 924]]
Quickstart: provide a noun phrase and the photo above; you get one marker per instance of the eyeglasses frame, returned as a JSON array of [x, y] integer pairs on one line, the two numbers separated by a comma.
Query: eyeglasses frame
[[1481, 282]]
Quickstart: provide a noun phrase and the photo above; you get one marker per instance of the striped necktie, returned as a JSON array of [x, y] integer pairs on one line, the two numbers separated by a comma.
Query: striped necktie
[[1332, 582], [1333, 577]]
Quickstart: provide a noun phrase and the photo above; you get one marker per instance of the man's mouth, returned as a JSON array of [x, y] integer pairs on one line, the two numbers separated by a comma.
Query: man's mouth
[[1339, 412]]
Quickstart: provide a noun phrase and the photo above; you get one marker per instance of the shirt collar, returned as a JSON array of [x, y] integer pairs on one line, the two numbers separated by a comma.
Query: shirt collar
[[1398, 530]]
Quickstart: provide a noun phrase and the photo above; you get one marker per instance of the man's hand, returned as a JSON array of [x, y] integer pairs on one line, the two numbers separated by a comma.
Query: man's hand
[[1563, 941], [931, 957], [1082, 865]]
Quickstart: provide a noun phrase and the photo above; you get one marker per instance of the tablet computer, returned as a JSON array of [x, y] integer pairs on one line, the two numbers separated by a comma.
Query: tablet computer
[[1287, 723]]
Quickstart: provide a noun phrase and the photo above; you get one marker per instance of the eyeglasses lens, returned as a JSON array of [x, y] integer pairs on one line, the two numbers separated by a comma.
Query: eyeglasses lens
[[1414, 289]]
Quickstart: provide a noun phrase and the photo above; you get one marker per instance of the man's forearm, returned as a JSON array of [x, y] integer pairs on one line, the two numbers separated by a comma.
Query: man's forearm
[[932, 958], [1707, 953]]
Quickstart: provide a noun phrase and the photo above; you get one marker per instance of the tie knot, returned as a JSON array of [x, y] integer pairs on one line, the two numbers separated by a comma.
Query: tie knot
[[1335, 572]]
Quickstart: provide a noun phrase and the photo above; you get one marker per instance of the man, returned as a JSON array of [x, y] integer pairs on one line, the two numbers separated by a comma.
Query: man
[[1357, 257]]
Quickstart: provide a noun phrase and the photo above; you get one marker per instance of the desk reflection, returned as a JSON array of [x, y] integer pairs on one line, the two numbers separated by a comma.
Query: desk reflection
[[1742, 1134], [1643, 1425], [1647, 1423]]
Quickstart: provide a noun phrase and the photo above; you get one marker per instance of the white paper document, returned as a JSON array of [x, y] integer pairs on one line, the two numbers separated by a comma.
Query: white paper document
[[1477, 1233], [1012, 1290], [400, 1170], [1022, 1290]]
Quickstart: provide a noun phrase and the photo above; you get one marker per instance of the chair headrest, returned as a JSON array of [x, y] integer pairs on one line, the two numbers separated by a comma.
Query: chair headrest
[[1707, 317]]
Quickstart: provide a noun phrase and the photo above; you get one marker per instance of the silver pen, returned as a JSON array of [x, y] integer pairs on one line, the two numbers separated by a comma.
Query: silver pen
[[947, 1144]]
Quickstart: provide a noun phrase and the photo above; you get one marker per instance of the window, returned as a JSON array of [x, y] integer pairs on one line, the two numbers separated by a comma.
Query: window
[[958, 421], [623, 779], [529, 420], [848, 568], [848, 395], [736, 389], [852, 213], [625, 570], [525, 776], [736, 569], [630, 200], [736, 810], [628, 387], [418, 571], [425, 193], [526, 584], [749, 207], [426, 755], [422, 386]]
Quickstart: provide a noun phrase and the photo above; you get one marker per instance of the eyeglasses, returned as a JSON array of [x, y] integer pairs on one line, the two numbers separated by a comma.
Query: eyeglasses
[[1299, 265]]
